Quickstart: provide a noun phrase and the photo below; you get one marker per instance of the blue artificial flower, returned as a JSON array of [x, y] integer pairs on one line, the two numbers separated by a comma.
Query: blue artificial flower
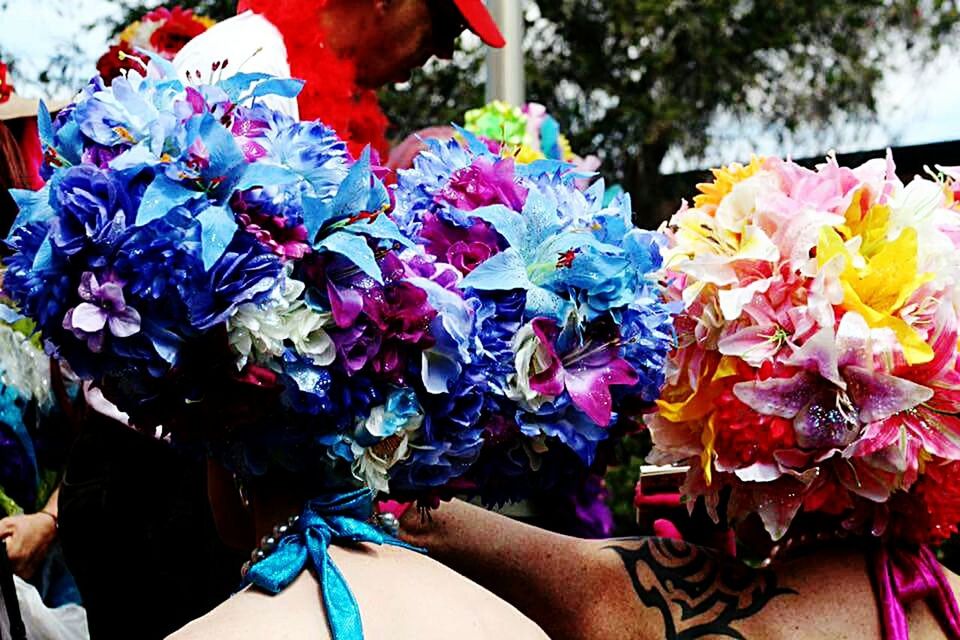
[[647, 337], [644, 249], [400, 413], [499, 318], [93, 208], [308, 388], [313, 151], [121, 114], [563, 421], [599, 276], [453, 331], [257, 128], [314, 390], [161, 262], [245, 272], [447, 443], [36, 277]]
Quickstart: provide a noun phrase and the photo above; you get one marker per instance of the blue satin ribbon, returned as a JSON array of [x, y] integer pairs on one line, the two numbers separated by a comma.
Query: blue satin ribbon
[[341, 519]]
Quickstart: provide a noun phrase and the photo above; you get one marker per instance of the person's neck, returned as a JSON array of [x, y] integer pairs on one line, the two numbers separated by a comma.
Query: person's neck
[[273, 507]]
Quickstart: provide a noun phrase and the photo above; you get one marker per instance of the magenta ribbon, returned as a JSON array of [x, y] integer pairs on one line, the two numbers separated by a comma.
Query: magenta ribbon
[[903, 576]]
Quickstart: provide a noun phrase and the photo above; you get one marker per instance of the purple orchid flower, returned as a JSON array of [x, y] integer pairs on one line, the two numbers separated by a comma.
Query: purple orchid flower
[[357, 345], [250, 132], [826, 415], [101, 156], [103, 307], [463, 247], [486, 182], [586, 371]]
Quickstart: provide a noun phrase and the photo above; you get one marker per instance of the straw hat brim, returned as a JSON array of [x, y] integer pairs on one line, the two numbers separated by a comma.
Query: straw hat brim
[[17, 107]]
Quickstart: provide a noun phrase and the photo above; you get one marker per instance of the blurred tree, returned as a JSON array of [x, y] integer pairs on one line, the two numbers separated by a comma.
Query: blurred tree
[[634, 78]]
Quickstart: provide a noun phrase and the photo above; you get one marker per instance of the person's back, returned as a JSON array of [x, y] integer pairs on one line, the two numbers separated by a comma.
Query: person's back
[[401, 594]]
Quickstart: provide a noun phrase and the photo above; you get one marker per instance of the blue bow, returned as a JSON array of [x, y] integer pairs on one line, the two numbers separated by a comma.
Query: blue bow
[[325, 521]]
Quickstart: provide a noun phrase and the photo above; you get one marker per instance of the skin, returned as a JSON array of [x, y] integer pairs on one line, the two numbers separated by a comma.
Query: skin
[[633, 588], [401, 594], [28, 537], [389, 38]]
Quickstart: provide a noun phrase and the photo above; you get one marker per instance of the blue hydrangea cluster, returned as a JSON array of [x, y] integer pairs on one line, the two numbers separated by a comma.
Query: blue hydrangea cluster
[[239, 278]]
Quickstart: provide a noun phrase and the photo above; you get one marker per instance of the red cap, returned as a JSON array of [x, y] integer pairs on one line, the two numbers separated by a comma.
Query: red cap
[[481, 22]]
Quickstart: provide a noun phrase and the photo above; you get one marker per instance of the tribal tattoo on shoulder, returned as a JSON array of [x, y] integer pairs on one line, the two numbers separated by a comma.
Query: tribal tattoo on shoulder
[[697, 592]]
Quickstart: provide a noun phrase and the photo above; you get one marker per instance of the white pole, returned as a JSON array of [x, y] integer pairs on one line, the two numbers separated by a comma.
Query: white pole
[[505, 74]]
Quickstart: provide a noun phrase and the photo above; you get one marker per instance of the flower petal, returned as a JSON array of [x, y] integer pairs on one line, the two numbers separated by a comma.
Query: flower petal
[[550, 381], [732, 301], [125, 324], [880, 396], [345, 304], [754, 344], [819, 352], [589, 388], [783, 397], [88, 317]]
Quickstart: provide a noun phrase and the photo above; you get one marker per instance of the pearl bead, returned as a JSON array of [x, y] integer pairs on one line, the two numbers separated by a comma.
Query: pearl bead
[[268, 543], [389, 523]]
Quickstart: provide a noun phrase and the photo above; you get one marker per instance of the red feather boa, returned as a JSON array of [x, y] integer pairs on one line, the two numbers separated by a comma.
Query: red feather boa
[[331, 93]]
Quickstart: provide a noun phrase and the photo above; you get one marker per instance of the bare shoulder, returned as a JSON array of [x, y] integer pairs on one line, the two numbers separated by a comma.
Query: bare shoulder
[[401, 594], [410, 595], [296, 613]]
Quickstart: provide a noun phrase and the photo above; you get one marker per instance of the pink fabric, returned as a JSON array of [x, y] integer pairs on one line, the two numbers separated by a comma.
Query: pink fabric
[[663, 528], [657, 500], [903, 576]]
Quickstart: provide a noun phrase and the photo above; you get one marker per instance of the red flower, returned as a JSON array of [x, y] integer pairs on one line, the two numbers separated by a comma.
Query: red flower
[[180, 28], [929, 513], [112, 64], [828, 496], [6, 89], [258, 376], [744, 436]]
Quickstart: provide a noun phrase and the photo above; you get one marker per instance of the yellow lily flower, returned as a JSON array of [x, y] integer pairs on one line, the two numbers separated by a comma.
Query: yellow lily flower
[[872, 226], [711, 193], [521, 153], [879, 290], [690, 405]]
